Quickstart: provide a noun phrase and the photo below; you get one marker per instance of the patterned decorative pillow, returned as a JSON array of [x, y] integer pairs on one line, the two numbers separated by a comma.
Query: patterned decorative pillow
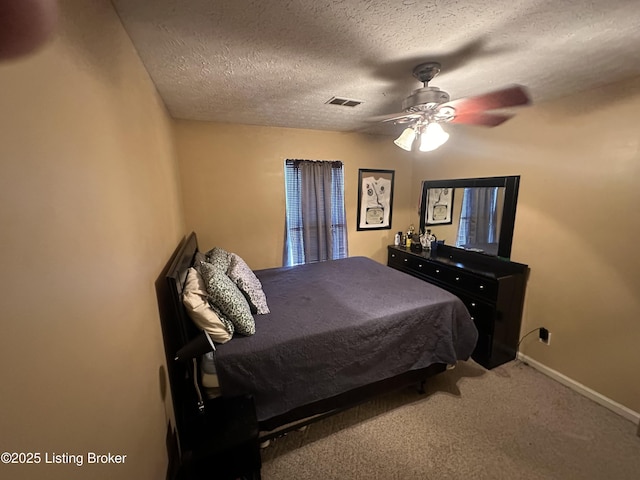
[[228, 299], [223, 318], [194, 298], [248, 284], [219, 257]]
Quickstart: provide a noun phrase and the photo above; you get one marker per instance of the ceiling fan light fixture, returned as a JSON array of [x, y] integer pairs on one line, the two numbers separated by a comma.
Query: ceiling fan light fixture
[[432, 137], [429, 107], [406, 138]]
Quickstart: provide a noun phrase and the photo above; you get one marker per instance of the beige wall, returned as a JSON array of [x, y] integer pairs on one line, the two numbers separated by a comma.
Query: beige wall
[[577, 226], [90, 213], [233, 184]]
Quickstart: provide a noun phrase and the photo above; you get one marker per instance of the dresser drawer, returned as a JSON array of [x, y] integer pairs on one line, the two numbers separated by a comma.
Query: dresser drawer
[[416, 264], [422, 266], [395, 259], [398, 259], [483, 314], [475, 284]]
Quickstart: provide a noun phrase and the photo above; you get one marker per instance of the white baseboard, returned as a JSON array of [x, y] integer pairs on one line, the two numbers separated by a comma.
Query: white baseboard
[[581, 389]]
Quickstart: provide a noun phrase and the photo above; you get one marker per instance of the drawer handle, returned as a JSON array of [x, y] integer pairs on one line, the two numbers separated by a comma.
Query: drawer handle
[[406, 259], [473, 304], [393, 255], [457, 278], [481, 287], [473, 318], [420, 266], [437, 271]]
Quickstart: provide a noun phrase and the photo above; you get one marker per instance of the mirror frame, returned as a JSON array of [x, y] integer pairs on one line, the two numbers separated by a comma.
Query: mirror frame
[[510, 184]]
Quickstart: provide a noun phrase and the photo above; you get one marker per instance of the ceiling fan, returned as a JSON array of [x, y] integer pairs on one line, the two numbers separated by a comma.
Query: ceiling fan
[[429, 107]]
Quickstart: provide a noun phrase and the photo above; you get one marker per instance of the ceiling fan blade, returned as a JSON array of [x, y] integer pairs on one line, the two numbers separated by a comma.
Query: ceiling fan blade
[[394, 117], [507, 97], [481, 118]]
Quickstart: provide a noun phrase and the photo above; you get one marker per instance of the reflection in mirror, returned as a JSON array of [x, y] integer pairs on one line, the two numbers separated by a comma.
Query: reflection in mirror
[[476, 214], [479, 219]]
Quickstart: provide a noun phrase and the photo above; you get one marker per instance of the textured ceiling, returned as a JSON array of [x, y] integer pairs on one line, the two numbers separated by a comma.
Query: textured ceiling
[[277, 62]]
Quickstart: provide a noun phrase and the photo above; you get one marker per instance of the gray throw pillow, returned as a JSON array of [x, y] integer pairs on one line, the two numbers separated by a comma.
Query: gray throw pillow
[[218, 257], [228, 299], [248, 284]]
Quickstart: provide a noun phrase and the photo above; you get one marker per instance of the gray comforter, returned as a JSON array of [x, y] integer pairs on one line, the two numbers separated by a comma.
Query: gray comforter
[[338, 325]]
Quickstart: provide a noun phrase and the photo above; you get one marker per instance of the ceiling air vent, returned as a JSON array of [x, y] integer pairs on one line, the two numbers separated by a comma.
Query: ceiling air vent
[[345, 102]]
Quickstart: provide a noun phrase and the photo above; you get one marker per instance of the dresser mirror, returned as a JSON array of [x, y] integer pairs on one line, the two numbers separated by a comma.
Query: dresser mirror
[[474, 214]]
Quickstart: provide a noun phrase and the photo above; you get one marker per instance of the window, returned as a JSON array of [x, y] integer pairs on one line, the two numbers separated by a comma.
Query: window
[[478, 218], [316, 227]]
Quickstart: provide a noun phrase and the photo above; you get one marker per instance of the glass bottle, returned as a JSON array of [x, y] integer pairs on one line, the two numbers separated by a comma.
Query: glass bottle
[[430, 239]]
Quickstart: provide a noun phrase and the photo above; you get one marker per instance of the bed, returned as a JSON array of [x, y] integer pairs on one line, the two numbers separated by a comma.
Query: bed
[[338, 332]]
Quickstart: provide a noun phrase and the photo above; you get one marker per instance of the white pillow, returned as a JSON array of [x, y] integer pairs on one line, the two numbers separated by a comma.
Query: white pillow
[[195, 299]]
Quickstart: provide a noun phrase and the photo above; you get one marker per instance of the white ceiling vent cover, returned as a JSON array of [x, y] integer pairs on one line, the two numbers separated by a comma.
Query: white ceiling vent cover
[[344, 102]]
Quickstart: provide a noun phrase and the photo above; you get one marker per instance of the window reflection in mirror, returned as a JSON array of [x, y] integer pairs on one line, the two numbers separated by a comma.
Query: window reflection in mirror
[[479, 219]]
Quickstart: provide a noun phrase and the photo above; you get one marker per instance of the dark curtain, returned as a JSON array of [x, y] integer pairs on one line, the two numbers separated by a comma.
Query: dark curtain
[[315, 229], [478, 219], [315, 203]]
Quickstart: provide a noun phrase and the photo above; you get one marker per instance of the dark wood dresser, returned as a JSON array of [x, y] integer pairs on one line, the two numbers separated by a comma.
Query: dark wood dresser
[[492, 289]]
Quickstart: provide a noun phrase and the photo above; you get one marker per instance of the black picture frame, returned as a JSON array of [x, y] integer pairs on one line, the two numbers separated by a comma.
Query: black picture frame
[[439, 206], [375, 199]]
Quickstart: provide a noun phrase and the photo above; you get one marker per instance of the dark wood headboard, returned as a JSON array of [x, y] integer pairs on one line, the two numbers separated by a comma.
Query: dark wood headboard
[[176, 277], [178, 330]]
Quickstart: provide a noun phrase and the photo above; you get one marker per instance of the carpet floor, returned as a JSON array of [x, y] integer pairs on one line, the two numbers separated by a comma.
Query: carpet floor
[[511, 422]]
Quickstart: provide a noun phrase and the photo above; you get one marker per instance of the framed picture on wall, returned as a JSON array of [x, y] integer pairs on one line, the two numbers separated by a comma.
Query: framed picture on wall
[[375, 199], [439, 206]]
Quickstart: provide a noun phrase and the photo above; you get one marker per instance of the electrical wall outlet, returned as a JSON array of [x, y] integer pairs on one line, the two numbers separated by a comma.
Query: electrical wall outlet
[[545, 336]]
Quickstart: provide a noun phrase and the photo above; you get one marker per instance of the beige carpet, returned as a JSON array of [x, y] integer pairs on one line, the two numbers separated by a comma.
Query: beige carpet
[[508, 423]]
